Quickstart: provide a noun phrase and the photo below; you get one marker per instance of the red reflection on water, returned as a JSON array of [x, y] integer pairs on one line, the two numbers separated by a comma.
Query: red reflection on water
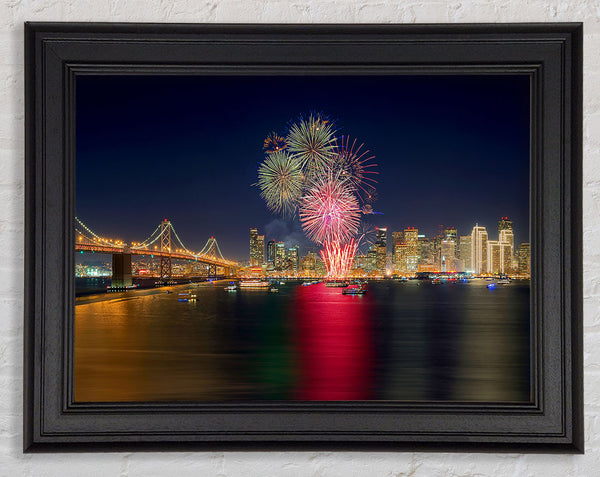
[[334, 345]]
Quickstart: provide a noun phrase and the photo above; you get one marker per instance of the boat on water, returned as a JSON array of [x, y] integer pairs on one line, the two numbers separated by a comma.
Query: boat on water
[[307, 284], [231, 288], [503, 281], [185, 297], [354, 290], [256, 284], [336, 284], [274, 290]]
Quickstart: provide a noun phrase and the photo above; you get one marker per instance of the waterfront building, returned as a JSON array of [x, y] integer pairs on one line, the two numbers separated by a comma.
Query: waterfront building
[[465, 252], [279, 256], [411, 239], [507, 236], [523, 255], [271, 252], [426, 260], [372, 259], [257, 248], [380, 247], [504, 224], [397, 239], [479, 249], [499, 257], [451, 234], [381, 235], [292, 257], [447, 250]]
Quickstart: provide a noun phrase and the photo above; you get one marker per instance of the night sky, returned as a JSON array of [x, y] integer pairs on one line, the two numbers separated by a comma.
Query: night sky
[[451, 150]]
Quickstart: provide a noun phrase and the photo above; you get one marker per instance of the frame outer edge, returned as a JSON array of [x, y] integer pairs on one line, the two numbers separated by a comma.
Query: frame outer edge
[[576, 134], [33, 439], [29, 236]]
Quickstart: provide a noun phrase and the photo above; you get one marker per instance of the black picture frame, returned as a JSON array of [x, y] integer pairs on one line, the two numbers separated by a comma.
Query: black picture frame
[[551, 54]]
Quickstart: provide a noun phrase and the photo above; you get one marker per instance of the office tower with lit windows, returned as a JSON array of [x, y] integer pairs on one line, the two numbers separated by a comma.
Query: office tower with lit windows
[[507, 236], [426, 261], [271, 252], [451, 234], [372, 259], [499, 257], [479, 248], [411, 239], [381, 235], [279, 256], [293, 258], [523, 255], [261, 249], [257, 248], [380, 247], [309, 262], [465, 252], [447, 259], [397, 239], [504, 224]]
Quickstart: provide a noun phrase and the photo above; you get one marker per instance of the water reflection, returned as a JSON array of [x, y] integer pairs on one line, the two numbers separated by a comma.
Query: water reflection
[[334, 345], [400, 341]]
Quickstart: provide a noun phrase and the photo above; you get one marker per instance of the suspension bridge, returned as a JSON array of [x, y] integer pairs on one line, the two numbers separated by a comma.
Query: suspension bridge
[[163, 243]]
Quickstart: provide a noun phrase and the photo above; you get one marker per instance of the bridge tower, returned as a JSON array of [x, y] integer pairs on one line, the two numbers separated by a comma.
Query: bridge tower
[[166, 270]]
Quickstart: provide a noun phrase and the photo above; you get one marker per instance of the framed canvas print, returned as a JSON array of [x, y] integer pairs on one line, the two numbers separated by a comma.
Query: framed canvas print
[[337, 236]]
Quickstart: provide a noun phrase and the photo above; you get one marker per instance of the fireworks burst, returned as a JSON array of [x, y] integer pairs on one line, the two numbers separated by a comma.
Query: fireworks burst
[[331, 183], [355, 165], [273, 143], [312, 141], [280, 180], [330, 211], [365, 236], [338, 258]]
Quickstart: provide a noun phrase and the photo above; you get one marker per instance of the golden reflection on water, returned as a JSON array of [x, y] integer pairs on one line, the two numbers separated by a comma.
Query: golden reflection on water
[[411, 341]]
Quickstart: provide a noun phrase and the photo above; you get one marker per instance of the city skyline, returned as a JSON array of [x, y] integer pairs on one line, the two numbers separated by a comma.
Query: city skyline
[[447, 149], [412, 252]]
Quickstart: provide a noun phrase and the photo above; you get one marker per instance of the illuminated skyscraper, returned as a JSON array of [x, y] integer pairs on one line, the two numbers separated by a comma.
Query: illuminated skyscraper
[[411, 239], [261, 249], [293, 257], [451, 234], [271, 252], [381, 235], [309, 262], [507, 236], [479, 239], [465, 252], [499, 257], [257, 248], [397, 239], [380, 247], [504, 224], [447, 248], [426, 262], [524, 259], [279, 255], [372, 258]]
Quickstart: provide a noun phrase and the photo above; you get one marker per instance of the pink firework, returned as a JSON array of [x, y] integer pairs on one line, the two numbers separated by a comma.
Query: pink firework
[[338, 258], [354, 164], [329, 211]]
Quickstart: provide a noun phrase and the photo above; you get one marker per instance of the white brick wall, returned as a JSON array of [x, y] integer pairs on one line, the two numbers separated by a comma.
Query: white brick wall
[[265, 464]]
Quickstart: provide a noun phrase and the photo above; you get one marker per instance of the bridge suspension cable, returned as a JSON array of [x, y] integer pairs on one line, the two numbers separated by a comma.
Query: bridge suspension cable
[[149, 240], [180, 242]]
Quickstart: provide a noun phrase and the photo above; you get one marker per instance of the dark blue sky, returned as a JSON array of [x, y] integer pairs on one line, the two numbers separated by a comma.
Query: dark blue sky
[[451, 150]]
